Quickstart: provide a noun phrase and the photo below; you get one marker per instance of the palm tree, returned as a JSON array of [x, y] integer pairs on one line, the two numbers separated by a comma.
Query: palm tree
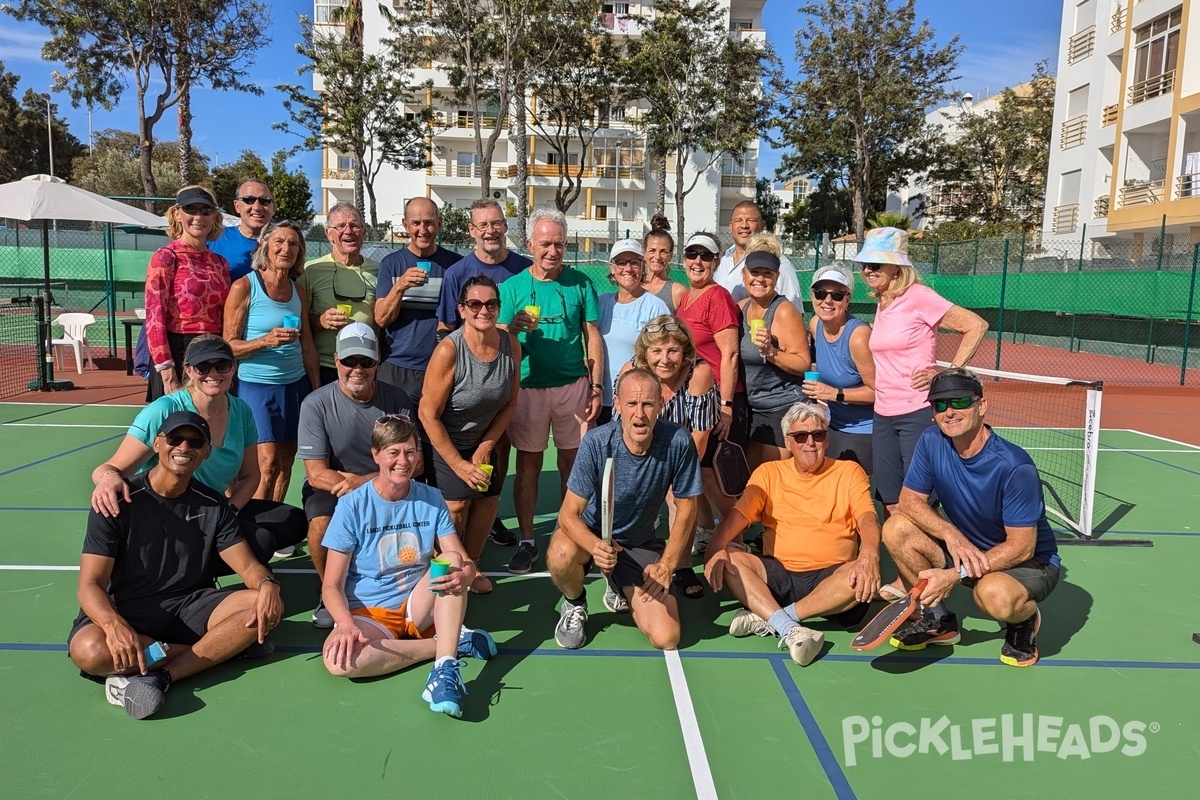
[[891, 219]]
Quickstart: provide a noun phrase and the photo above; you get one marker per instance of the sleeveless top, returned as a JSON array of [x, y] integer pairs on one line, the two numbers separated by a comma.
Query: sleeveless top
[[664, 294], [768, 388], [480, 390], [275, 365], [838, 370]]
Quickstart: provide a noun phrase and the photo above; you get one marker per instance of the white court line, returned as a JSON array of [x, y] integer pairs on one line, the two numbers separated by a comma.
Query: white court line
[[1160, 438], [1110, 450], [702, 777], [56, 425], [69, 406]]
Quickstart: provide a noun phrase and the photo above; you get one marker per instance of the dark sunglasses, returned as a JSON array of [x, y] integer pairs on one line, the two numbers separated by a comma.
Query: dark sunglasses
[[250, 200], [221, 365], [703, 255], [356, 362], [870, 267], [199, 211], [954, 402], [800, 437], [357, 289], [474, 306], [821, 294], [175, 439], [670, 327]]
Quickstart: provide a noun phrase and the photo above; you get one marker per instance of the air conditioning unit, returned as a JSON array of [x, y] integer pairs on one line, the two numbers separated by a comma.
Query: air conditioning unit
[[496, 195]]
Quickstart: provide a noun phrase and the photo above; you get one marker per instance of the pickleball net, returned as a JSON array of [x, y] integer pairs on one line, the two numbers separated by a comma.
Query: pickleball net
[[18, 344]]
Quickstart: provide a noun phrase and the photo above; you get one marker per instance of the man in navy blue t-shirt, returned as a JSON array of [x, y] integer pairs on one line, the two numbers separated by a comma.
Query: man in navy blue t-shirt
[[651, 457], [992, 534]]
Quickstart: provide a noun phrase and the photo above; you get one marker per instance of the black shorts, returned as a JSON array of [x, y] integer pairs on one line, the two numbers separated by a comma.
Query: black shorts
[[631, 563], [1038, 576], [317, 502], [412, 381], [452, 487], [854, 447], [739, 426], [893, 441], [177, 620], [766, 427], [790, 587]]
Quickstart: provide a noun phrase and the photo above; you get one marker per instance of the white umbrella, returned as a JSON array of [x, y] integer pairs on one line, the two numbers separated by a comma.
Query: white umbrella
[[45, 197]]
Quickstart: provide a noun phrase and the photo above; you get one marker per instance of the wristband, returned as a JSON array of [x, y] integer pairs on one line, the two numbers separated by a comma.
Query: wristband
[[164, 366]]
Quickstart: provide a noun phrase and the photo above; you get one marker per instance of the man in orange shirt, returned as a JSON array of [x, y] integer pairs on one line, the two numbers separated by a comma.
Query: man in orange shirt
[[820, 545]]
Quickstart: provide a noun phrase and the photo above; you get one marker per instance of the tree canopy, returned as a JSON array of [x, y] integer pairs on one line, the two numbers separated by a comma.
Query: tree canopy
[[25, 143]]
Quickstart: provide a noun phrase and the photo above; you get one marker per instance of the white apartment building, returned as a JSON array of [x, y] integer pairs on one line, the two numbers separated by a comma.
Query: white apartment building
[[1125, 153], [619, 185]]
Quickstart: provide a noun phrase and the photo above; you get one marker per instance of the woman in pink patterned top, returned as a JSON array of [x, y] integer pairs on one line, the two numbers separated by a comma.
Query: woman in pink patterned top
[[186, 287]]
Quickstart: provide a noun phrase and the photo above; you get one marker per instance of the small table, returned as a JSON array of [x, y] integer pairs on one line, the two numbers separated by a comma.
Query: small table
[[129, 322]]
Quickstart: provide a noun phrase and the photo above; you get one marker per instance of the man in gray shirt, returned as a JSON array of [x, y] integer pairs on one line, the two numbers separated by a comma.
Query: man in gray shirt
[[335, 436]]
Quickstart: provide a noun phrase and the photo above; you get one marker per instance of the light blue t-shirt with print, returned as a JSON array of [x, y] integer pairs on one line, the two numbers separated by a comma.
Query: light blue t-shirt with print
[[390, 543], [620, 326], [225, 460]]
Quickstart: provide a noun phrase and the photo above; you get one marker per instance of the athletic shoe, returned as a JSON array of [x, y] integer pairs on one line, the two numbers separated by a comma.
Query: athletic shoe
[[522, 560], [444, 690], [1020, 642], [569, 632], [139, 695], [615, 601], [745, 622], [803, 644], [501, 535], [475, 643], [701, 540], [926, 629], [256, 650], [285, 552], [321, 618], [1196, 638]]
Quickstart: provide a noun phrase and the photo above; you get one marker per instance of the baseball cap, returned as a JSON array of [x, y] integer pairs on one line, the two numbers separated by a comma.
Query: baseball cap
[[357, 339], [208, 348], [186, 419], [195, 196], [626, 246], [831, 274]]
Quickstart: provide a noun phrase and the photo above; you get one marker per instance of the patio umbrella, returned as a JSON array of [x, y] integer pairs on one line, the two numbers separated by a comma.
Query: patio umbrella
[[45, 198]]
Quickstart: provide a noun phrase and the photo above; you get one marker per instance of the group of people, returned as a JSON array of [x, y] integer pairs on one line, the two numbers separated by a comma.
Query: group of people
[[404, 385]]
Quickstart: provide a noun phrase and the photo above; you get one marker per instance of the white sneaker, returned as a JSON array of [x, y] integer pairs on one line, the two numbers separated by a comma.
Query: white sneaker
[[745, 622], [803, 644], [701, 540]]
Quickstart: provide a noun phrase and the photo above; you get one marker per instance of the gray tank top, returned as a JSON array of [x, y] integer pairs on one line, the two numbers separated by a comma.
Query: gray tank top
[[479, 391], [664, 294], [768, 388]]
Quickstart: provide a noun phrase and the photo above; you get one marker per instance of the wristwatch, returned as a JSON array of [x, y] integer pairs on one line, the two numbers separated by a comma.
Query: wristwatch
[[841, 396], [727, 404]]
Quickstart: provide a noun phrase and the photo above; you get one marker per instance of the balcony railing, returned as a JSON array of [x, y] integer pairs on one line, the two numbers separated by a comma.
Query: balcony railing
[[468, 121], [338, 174], [1066, 218], [1074, 131], [1100, 209], [1151, 87], [598, 172], [1188, 185], [451, 169], [738, 181], [1118, 18], [1140, 193], [1081, 45], [1108, 116]]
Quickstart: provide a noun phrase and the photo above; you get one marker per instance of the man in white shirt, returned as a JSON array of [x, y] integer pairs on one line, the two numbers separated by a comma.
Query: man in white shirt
[[746, 221]]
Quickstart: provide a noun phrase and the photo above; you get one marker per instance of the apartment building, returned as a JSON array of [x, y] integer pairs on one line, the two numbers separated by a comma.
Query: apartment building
[[619, 184], [1125, 154]]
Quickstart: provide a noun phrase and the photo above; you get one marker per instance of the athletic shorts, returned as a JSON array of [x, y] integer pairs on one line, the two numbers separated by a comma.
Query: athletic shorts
[[631, 563], [791, 587], [561, 408], [854, 447], [317, 502], [893, 440], [766, 427], [452, 487], [738, 428], [412, 381], [177, 620], [1038, 576], [275, 408], [393, 621]]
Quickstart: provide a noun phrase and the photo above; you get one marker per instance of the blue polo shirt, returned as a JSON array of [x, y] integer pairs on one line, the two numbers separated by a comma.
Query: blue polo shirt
[[409, 341]]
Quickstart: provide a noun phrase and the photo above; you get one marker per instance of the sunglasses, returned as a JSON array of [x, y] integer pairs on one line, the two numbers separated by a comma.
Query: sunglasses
[[475, 306], [670, 327], [357, 362], [821, 294], [870, 267], [221, 365], [558, 319], [954, 402], [800, 437], [358, 287], [198, 211], [175, 439], [629, 263], [703, 255], [250, 200], [386, 418]]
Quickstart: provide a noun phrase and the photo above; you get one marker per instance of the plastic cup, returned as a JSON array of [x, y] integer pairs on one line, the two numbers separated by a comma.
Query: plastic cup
[[756, 325], [535, 312], [424, 266], [345, 308], [487, 468], [812, 375], [291, 321], [437, 568]]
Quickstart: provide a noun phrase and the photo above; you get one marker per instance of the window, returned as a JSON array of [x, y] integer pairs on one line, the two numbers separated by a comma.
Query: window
[[614, 8], [741, 24], [1156, 48], [345, 162]]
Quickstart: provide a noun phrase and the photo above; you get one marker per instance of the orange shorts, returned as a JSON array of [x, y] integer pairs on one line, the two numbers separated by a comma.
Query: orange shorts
[[393, 621]]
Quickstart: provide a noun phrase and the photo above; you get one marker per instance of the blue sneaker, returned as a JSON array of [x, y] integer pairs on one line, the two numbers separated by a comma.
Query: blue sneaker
[[444, 691], [475, 643]]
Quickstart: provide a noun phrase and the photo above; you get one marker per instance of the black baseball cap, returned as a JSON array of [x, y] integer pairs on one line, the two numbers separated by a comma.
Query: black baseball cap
[[209, 348], [186, 419], [949, 385]]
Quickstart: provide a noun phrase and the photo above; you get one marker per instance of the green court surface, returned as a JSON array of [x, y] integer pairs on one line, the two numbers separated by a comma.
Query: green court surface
[[1110, 711]]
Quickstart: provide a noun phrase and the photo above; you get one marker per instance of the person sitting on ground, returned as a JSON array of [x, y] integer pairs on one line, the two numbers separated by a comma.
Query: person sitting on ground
[[651, 457], [820, 545], [389, 611], [991, 535], [144, 577]]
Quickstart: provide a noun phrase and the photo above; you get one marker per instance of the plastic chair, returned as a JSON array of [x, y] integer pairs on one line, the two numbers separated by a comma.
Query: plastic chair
[[74, 327]]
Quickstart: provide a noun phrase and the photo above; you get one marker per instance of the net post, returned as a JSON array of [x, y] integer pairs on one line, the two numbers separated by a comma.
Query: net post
[[110, 289], [1162, 235], [1187, 321], [1091, 452], [1000, 314], [1082, 244]]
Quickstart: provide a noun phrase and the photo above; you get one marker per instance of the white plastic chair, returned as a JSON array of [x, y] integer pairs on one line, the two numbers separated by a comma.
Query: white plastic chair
[[74, 327]]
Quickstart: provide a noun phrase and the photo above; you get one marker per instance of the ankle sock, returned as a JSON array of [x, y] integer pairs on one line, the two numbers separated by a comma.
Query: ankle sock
[[441, 661], [577, 601], [781, 623]]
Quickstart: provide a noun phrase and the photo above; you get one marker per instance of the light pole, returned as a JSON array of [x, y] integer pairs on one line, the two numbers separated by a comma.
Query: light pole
[[50, 134]]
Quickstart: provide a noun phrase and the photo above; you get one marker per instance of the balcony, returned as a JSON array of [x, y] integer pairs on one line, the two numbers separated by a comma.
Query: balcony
[[1074, 131], [1119, 17], [1187, 185], [636, 173], [1066, 218], [1140, 193], [337, 174], [1108, 116], [451, 169], [1151, 87], [1081, 45], [1100, 209], [738, 181]]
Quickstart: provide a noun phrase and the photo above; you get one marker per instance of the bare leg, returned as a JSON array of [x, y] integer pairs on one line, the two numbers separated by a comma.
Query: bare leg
[[1003, 598], [910, 547], [566, 460], [658, 619], [226, 636], [286, 459], [268, 470], [525, 490], [565, 560]]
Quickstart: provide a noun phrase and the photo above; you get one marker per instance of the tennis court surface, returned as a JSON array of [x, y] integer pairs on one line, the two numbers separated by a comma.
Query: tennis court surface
[[1110, 711]]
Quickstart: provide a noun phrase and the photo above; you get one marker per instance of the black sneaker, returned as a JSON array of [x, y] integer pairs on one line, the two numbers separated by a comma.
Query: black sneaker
[[139, 695], [926, 629], [501, 535], [1196, 638], [1020, 642], [256, 650], [522, 560]]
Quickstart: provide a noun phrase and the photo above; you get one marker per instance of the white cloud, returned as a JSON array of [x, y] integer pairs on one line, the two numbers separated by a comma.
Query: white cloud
[[988, 67], [21, 42]]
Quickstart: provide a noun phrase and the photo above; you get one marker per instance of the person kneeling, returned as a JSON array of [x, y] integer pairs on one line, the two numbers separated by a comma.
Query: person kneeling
[[389, 611], [820, 545]]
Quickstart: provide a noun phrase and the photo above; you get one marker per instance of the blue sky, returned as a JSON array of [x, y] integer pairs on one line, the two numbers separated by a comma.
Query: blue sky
[[1002, 43]]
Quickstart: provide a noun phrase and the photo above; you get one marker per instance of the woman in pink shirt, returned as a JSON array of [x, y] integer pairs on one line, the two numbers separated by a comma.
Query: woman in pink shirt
[[902, 346]]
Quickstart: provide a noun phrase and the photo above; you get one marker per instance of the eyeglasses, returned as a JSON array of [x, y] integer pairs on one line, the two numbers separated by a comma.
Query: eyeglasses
[[250, 200], [669, 327], [357, 362], [347, 226], [631, 263], [493, 226], [554, 320], [954, 402], [386, 418], [800, 437], [474, 306], [175, 439], [358, 286], [198, 211], [821, 294], [703, 255], [221, 365]]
